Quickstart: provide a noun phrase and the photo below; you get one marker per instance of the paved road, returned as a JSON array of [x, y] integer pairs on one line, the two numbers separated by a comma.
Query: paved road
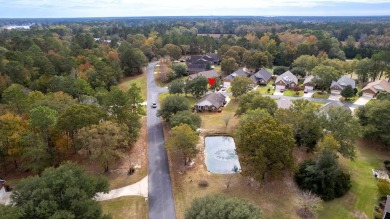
[[161, 204]]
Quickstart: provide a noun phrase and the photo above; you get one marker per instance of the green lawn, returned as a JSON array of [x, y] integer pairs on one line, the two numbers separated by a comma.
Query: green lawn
[[264, 89], [126, 207], [139, 80], [191, 99], [292, 93], [351, 100], [321, 95], [360, 201]]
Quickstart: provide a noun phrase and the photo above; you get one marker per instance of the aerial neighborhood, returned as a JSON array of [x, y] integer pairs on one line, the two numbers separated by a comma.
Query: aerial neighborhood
[[195, 117]]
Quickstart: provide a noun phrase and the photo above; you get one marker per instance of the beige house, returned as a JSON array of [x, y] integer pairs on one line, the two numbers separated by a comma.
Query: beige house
[[375, 87]]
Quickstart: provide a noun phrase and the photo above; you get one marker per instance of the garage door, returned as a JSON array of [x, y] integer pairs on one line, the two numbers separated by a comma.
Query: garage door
[[368, 95], [335, 91], [309, 87], [226, 84], [278, 87]]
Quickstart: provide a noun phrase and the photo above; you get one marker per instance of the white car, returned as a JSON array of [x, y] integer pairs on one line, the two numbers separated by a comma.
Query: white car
[[154, 105], [223, 89]]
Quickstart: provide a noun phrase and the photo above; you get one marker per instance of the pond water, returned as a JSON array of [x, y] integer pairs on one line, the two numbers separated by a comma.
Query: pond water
[[221, 156]]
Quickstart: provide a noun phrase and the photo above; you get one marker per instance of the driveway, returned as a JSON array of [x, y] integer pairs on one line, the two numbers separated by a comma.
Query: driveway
[[160, 197], [139, 189], [362, 101], [308, 94], [335, 97]]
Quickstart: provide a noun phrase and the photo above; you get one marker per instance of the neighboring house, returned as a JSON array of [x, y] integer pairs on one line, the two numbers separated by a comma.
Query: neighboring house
[[229, 78], [284, 103], [373, 88], [212, 102], [262, 77], [333, 104], [208, 74], [337, 86], [308, 84], [286, 80], [196, 68], [198, 63], [386, 211]]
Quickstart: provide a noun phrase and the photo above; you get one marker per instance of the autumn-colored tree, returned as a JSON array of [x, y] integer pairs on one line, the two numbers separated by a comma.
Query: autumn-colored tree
[[182, 142]]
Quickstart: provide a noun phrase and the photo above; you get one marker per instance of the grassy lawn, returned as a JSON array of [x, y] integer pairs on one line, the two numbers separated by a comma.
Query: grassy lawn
[[264, 89], [139, 80], [351, 100], [292, 93], [126, 207], [320, 95], [360, 201], [191, 99]]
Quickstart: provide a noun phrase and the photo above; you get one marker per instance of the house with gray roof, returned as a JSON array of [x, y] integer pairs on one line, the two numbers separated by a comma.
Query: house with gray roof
[[333, 104], [196, 68], [375, 87], [212, 102], [261, 77], [284, 103], [239, 72], [208, 74], [286, 80], [308, 83], [337, 86]]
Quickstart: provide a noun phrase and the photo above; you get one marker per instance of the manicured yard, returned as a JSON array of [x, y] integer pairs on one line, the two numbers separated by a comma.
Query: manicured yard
[[321, 95], [126, 207], [360, 201], [292, 93], [139, 80], [351, 100], [191, 99], [264, 89]]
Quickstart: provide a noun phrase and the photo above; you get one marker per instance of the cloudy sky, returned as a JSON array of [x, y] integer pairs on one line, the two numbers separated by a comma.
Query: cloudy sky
[[120, 8]]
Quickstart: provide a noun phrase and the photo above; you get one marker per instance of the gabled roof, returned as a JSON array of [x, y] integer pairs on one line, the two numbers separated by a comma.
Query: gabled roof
[[198, 59], [215, 56], [284, 103], [345, 81], [333, 104], [378, 86], [196, 67], [287, 78], [212, 99], [309, 79], [261, 74], [208, 74], [239, 72]]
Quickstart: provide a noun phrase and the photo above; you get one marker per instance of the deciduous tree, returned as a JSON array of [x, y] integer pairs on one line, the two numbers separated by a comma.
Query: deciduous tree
[[182, 142], [240, 85]]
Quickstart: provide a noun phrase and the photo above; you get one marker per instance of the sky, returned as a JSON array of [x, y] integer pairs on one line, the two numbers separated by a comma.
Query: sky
[[130, 8]]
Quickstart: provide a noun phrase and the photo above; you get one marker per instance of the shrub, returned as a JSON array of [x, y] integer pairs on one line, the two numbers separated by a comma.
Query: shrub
[[203, 183], [383, 187], [387, 164]]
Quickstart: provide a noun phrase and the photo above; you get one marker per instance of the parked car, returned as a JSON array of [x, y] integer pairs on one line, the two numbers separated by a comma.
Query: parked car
[[281, 90], [305, 91], [223, 89], [154, 105]]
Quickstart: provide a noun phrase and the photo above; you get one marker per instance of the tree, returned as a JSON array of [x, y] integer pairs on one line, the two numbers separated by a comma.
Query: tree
[[63, 192], [105, 142], [256, 59], [44, 120], [197, 86], [220, 207], [171, 105], [185, 48], [228, 65], [180, 70], [323, 177], [364, 68], [185, 117], [176, 87], [309, 204], [374, 117], [278, 70], [344, 127], [264, 146], [254, 100], [240, 85], [182, 142], [132, 59], [10, 212], [348, 92], [173, 51], [306, 62], [15, 96], [325, 76]]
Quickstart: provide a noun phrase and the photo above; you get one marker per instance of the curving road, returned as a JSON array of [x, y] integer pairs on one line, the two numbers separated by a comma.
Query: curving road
[[161, 203]]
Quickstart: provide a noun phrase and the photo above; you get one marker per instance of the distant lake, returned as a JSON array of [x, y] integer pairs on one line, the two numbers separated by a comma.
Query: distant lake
[[10, 27]]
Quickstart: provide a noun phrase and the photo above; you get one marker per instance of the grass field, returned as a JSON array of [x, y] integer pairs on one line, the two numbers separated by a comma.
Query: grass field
[[360, 201], [191, 99], [139, 80], [320, 95], [264, 89], [126, 207], [292, 93]]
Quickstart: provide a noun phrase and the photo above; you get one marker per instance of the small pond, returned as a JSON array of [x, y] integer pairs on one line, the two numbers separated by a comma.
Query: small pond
[[221, 156]]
